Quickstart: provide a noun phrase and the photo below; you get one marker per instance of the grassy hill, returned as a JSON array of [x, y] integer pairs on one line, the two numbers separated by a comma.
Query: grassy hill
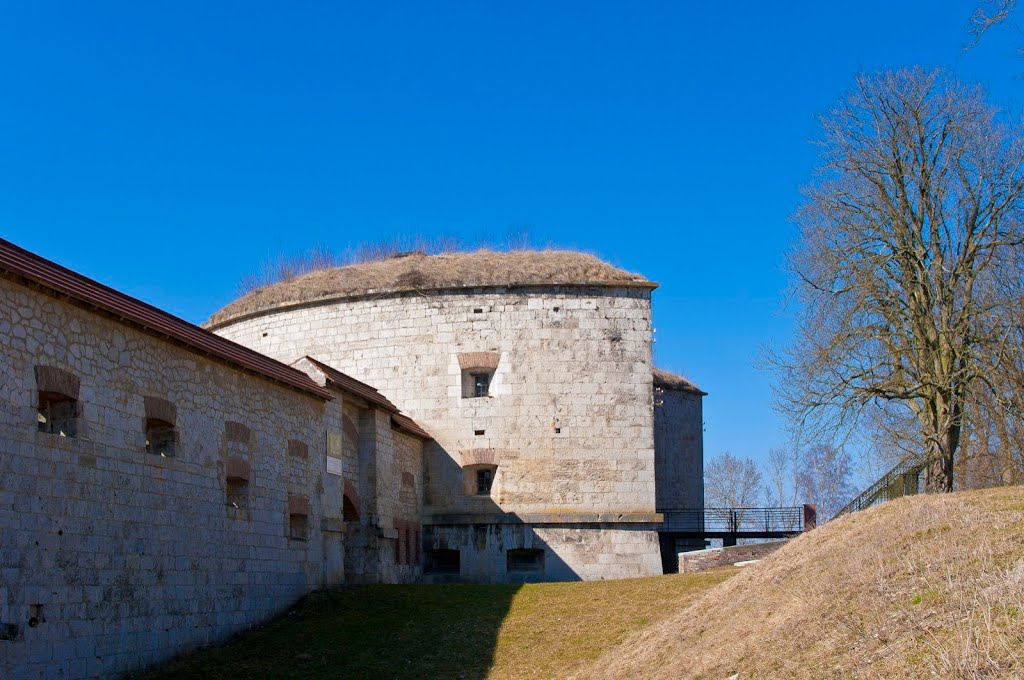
[[922, 587], [927, 586]]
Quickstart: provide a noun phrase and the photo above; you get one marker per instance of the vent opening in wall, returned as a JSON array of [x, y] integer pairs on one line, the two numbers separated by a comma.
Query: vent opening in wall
[[558, 430], [557, 309], [478, 310], [35, 615], [528, 559], [479, 433], [442, 561]]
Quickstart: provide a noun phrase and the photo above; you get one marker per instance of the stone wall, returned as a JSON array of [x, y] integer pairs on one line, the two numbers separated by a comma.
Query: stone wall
[[573, 360], [698, 560], [113, 558], [587, 551], [679, 441], [568, 422]]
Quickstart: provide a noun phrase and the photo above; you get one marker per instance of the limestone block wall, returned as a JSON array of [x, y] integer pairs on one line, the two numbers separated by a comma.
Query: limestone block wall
[[569, 417], [679, 446], [571, 552], [112, 558]]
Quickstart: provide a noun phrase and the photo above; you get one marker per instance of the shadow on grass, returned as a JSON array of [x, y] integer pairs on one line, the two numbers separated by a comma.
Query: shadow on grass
[[365, 632]]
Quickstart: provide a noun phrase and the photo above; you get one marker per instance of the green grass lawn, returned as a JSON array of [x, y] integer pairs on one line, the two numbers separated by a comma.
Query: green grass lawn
[[446, 631]]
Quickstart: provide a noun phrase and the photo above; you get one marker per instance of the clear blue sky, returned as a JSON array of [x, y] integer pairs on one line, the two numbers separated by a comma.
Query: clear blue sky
[[167, 148]]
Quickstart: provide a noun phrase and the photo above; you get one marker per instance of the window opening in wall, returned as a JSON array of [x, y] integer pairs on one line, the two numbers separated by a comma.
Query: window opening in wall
[[161, 439], [484, 479], [478, 310], [442, 561], [349, 512], [35, 615], [557, 308], [237, 493], [479, 433], [558, 430], [298, 527], [57, 414], [521, 559], [481, 384]]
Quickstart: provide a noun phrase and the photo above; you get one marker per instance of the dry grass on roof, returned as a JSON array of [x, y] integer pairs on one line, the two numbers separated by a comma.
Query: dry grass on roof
[[418, 271], [667, 379]]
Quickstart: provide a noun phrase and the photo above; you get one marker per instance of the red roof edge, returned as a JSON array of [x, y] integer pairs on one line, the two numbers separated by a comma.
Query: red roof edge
[[350, 384], [369, 393], [407, 424], [60, 281]]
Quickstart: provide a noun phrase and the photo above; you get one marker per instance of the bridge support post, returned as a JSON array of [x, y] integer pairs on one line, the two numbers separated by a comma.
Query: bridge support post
[[810, 517]]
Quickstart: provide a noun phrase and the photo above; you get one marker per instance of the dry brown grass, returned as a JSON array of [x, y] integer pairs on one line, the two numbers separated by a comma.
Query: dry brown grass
[[418, 271], [922, 587], [672, 381], [553, 629]]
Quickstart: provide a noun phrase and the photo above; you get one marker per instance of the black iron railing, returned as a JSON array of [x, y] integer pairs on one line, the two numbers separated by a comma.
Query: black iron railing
[[738, 520], [904, 479]]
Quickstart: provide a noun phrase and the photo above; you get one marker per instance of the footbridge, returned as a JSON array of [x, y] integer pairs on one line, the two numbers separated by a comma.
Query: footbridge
[[731, 524], [688, 529]]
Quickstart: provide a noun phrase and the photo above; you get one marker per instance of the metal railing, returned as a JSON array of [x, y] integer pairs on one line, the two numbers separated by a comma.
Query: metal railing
[[736, 520], [904, 479]]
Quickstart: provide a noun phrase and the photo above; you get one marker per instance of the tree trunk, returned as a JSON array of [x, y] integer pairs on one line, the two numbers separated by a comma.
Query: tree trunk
[[939, 473]]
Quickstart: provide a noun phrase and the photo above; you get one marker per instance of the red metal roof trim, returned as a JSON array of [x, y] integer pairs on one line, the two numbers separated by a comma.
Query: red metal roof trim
[[370, 394], [407, 424], [64, 282], [350, 384]]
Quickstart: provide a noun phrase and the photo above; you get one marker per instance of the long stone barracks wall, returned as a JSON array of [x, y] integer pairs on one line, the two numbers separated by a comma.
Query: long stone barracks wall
[[153, 499], [539, 398]]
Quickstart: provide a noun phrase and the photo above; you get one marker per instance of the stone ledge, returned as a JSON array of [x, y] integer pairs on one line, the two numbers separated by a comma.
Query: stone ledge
[[546, 518]]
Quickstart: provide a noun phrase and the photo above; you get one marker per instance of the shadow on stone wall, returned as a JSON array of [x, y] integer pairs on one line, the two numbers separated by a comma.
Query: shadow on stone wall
[[479, 531]]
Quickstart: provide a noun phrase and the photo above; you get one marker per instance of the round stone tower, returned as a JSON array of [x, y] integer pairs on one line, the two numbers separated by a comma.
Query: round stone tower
[[532, 371]]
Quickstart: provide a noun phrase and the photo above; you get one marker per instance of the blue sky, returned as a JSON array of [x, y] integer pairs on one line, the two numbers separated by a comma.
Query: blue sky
[[167, 149]]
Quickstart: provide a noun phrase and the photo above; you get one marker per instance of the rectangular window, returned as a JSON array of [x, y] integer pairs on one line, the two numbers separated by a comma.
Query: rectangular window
[[57, 414], [484, 478], [481, 383], [237, 493], [298, 527], [161, 439]]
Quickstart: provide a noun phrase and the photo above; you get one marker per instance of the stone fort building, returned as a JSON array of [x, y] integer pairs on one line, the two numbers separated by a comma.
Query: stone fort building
[[488, 417]]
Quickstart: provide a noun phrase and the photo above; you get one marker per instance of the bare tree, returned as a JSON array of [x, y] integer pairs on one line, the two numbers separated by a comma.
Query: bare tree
[[906, 275], [780, 469], [986, 15], [732, 482], [823, 478]]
